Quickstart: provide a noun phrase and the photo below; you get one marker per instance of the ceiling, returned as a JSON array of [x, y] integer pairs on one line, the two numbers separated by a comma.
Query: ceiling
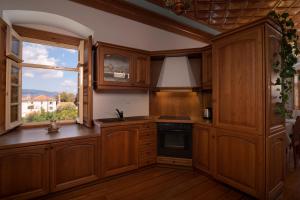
[[224, 15]]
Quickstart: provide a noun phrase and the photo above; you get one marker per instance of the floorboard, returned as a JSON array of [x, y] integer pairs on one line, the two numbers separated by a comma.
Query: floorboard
[[156, 183]]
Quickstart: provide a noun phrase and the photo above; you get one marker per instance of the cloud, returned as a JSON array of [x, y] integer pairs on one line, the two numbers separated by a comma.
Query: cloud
[[52, 74], [38, 54], [68, 83], [28, 75], [71, 50]]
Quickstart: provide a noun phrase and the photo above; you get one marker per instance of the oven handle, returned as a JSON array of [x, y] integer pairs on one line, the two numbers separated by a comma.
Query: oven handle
[[175, 130]]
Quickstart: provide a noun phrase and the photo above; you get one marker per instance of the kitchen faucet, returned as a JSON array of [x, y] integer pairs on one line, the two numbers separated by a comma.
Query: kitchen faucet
[[120, 114]]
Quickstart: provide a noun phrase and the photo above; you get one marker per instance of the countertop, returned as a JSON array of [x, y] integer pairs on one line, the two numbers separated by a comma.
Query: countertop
[[33, 136], [108, 122]]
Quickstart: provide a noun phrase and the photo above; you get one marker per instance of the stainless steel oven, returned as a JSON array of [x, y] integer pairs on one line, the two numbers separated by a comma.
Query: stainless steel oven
[[174, 140]]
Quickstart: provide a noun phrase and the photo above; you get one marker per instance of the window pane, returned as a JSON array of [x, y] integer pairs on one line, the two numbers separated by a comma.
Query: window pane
[[14, 97], [14, 113], [15, 45], [49, 94], [34, 53], [14, 74]]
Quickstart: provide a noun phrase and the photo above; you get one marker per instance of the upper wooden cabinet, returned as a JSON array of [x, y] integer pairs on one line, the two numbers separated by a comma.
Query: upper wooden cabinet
[[206, 69], [74, 163], [24, 172], [121, 68], [119, 150]]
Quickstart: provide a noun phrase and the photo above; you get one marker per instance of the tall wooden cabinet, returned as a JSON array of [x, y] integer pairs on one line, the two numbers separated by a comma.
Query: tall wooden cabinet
[[249, 139]]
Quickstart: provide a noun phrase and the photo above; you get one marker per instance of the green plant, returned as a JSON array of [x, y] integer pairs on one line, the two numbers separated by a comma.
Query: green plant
[[288, 58]]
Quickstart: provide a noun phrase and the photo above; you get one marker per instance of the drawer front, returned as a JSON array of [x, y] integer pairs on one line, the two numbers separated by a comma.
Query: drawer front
[[147, 147], [147, 133], [147, 141], [147, 153], [148, 126], [148, 161]]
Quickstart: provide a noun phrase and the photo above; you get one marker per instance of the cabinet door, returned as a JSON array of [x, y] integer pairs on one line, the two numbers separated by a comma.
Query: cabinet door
[[73, 163], [201, 148], [3, 28], [141, 71], [207, 69], [115, 67], [239, 161], [238, 82], [275, 161], [24, 172], [119, 150]]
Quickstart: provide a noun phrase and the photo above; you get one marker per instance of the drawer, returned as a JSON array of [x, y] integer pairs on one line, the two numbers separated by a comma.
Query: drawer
[[148, 147], [150, 153], [146, 162], [150, 132], [149, 126], [147, 141]]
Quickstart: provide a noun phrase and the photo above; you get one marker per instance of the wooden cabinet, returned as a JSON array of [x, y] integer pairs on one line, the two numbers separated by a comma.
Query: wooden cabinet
[[147, 145], [206, 69], [202, 148], [249, 142], [119, 150], [238, 160], [24, 172], [142, 70], [73, 163], [120, 67]]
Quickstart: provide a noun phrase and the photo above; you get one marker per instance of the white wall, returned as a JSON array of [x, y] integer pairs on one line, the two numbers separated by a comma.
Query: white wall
[[112, 29]]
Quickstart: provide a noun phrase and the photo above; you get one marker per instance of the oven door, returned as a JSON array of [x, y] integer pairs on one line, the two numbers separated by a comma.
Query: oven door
[[175, 143]]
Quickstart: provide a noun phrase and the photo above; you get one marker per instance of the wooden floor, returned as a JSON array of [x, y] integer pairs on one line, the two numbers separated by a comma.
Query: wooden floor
[[156, 183], [292, 184]]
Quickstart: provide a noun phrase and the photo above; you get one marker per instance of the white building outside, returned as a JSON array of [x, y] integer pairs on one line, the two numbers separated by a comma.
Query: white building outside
[[36, 104]]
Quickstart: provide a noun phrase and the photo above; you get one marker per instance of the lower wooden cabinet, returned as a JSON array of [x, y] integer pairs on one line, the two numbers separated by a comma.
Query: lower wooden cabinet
[[275, 157], [73, 163], [201, 148], [119, 150], [24, 172], [147, 146], [239, 160]]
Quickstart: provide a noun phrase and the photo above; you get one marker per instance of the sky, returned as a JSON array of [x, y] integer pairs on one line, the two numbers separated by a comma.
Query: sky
[[45, 79]]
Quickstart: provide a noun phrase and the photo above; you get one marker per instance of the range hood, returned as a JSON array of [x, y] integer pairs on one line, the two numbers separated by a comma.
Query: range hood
[[179, 73]]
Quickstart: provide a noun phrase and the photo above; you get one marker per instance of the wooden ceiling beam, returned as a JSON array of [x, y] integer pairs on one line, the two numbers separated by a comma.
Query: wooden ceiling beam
[[125, 9]]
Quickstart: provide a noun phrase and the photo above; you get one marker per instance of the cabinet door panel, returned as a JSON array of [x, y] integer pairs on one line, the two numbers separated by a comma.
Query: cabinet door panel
[[142, 67], [119, 150], [207, 69], [24, 172], [238, 85], [201, 148], [239, 160], [115, 67], [275, 162], [73, 163], [3, 28]]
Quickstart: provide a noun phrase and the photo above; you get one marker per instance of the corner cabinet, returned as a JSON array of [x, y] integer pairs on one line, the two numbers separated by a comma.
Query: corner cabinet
[[119, 67], [249, 134]]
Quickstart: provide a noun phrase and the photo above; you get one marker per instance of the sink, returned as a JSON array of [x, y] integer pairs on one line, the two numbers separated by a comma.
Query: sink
[[126, 119]]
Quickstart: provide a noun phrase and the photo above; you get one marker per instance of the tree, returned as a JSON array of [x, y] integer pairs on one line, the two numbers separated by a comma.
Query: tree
[[67, 97]]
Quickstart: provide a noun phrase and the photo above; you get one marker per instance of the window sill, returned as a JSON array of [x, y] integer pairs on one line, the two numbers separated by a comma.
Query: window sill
[[45, 124]]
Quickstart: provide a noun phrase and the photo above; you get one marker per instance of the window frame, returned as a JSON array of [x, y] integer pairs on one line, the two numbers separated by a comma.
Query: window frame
[[78, 69]]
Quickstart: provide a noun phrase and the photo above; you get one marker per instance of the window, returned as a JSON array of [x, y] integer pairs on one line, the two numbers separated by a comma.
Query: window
[[50, 76]]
